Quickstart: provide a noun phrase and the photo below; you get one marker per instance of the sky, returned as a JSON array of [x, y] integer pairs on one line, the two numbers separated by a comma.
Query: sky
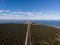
[[30, 9]]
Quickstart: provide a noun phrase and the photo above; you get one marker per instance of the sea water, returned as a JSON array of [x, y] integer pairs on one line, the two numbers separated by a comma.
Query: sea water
[[43, 22]]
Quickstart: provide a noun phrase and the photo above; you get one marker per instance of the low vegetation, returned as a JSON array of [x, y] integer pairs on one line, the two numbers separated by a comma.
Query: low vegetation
[[44, 35], [12, 34]]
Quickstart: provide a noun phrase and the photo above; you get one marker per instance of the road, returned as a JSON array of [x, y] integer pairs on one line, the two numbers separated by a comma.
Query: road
[[28, 37]]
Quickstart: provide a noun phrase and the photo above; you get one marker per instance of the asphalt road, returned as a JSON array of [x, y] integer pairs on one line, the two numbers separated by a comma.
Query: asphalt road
[[28, 37]]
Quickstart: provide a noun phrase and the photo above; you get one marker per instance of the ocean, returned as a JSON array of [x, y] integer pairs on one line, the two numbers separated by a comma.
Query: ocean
[[43, 22]]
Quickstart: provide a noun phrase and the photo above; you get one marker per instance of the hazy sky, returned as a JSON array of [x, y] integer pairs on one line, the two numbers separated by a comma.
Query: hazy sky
[[30, 9]]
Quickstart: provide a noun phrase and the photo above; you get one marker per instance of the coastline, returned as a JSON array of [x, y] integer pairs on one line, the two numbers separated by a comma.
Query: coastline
[[54, 26], [49, 25]]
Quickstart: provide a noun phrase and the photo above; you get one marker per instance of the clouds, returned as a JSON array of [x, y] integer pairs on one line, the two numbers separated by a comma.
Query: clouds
[[21, 15], [4, 11], [18, 13]]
